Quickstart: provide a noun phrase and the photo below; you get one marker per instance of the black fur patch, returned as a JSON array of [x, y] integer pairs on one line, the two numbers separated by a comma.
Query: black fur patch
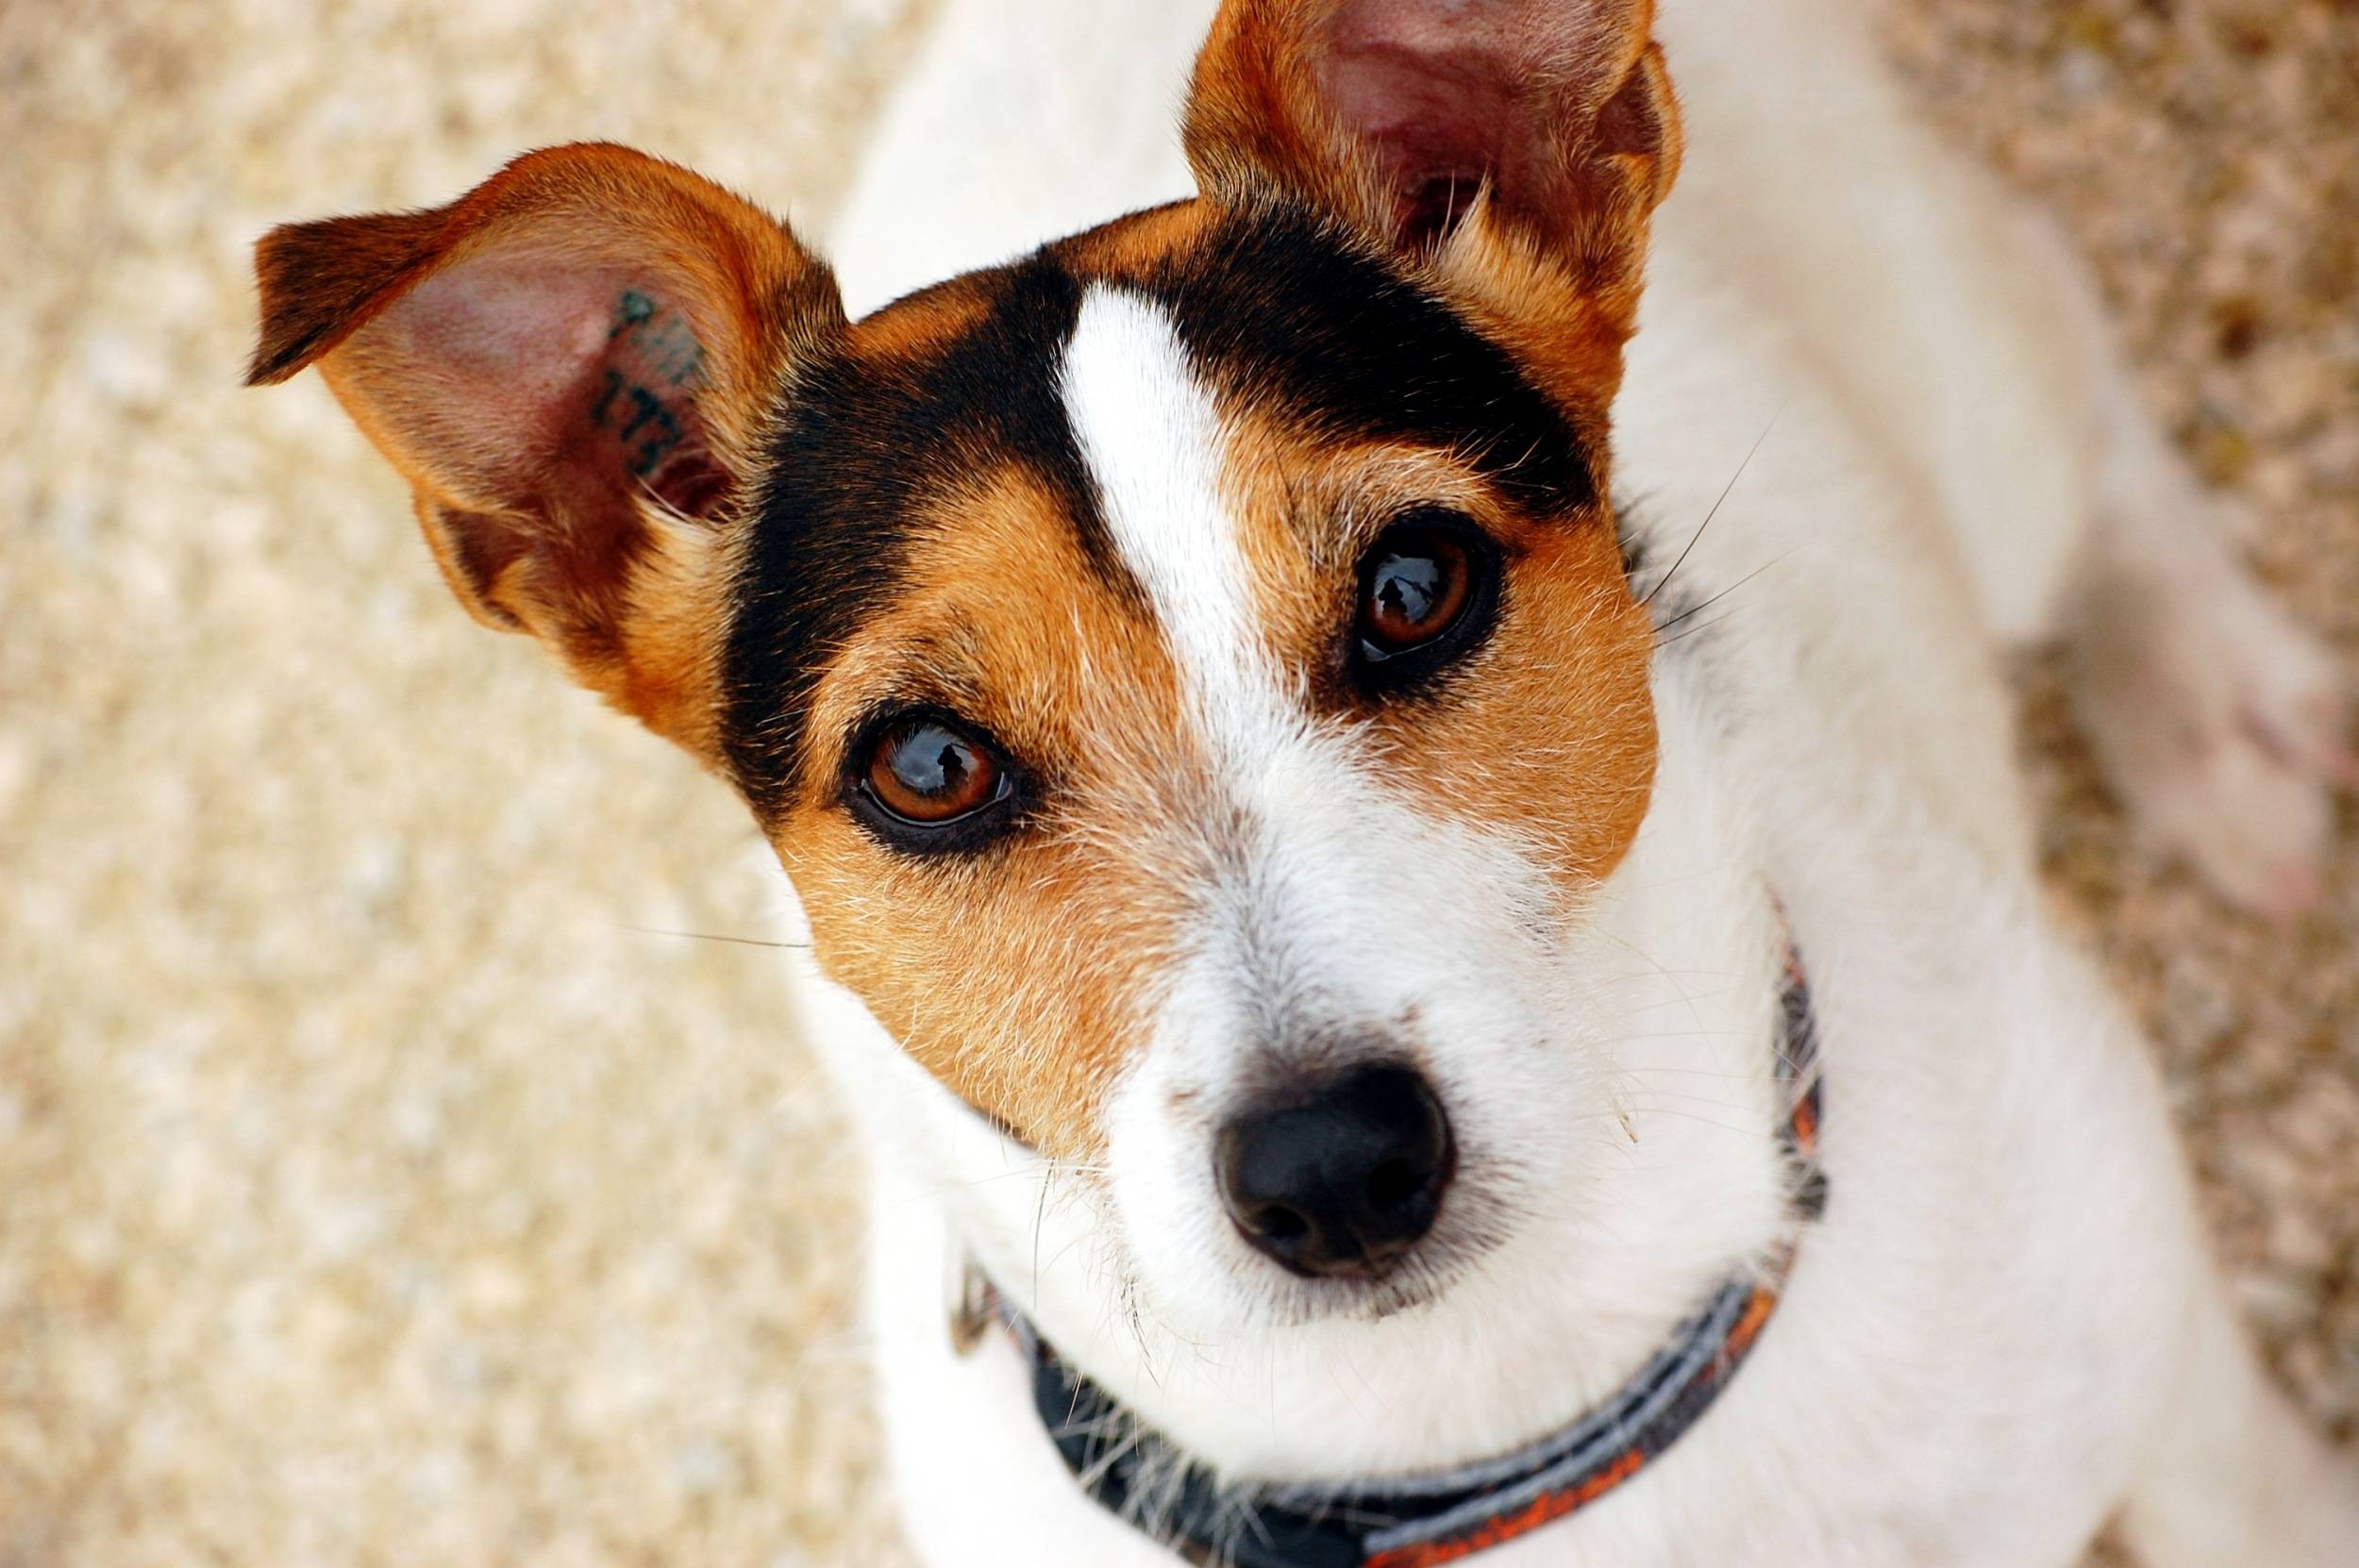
[[861, 446], [1280, 312]]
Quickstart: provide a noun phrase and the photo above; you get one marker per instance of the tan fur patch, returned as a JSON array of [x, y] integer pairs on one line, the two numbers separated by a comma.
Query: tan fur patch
[[922, 325], [1547, 731], [1020, 976], [1132, 247]]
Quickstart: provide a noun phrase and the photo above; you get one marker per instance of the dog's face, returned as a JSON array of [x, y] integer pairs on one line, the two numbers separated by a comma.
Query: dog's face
[[1189, 676]]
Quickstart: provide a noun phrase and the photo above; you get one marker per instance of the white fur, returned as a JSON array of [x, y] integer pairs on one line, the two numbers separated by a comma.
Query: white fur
[[2006, 1327], [1153, 444]]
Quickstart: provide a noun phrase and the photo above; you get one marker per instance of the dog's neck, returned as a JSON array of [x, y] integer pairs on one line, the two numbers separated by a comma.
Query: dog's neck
[[1672, 1181]]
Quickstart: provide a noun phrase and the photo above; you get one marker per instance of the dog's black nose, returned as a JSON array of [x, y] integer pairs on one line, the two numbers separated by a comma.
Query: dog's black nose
[[1340, 1182]]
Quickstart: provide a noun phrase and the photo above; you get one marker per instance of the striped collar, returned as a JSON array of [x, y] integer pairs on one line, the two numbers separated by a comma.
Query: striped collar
[[1440, 1517]]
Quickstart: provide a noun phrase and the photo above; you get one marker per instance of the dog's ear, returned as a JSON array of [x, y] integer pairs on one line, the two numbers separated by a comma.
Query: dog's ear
[[1518, 147], [571, 364]]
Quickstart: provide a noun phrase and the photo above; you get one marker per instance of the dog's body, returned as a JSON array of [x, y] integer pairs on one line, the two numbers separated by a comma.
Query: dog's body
[[2004, 1327], [2007, 1326]]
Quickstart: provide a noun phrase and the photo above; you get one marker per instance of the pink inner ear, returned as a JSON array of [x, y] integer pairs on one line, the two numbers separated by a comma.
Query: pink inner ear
[[561, 386], [1451, 94], [1439, 126]]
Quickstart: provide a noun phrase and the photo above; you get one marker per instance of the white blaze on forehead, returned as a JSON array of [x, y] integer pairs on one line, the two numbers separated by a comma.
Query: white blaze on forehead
[[1152, 440], [1304, 897]]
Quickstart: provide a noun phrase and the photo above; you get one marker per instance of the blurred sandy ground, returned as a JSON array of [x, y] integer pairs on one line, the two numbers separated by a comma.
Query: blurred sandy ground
[[374, 1188]]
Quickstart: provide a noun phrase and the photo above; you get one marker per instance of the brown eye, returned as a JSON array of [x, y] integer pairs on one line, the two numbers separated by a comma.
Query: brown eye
[[926, 771], [1427, 591], [1416, 586]]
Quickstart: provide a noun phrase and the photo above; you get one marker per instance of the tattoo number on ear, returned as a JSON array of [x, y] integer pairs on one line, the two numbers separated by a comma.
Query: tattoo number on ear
[[667, 344], [662, 341], [629, 312]]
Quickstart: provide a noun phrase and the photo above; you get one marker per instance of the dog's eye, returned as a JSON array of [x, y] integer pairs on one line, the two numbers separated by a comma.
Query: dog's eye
[[1418, 585], [926, 772], [1427, 588]]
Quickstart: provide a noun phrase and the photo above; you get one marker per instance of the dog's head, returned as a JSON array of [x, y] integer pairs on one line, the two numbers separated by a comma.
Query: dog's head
[[1190, 675]]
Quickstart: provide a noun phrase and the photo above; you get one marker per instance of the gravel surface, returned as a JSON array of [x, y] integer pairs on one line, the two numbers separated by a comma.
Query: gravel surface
[[378, 1183]]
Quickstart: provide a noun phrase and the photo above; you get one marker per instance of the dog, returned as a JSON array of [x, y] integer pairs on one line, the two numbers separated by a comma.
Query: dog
[[1412, 858]]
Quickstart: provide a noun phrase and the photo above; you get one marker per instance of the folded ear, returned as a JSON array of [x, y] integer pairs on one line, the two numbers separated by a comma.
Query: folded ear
[[571, 364], [1463, 133]]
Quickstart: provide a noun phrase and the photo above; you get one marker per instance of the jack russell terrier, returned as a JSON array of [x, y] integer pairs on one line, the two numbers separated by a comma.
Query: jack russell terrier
[[1414, 866]]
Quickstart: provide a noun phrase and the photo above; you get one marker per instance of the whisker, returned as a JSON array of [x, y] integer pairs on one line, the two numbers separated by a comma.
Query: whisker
[[1040, 1221], [1664, 581], [709, 936], [1764, 1134], [1658, 1092], [1706, 626], [1699, 608]]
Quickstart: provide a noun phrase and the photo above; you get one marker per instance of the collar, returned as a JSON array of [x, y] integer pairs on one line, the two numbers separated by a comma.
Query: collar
[[1440, 1517]]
